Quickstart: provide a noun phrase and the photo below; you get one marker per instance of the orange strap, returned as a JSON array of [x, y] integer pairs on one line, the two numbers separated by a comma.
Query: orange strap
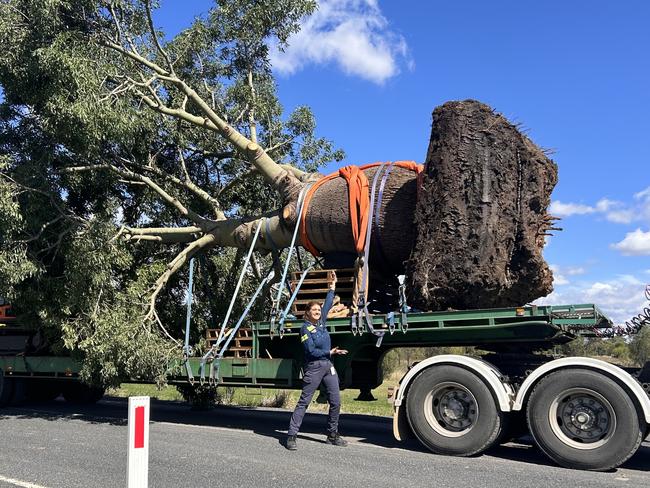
[[359, 202], [359, 198]]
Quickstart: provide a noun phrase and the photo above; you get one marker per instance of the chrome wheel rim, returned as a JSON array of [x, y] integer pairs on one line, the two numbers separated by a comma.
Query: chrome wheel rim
[[451, 409], [582, 418]]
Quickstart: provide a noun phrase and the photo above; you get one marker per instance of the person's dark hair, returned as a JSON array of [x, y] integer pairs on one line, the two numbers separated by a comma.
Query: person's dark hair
[[311, 304]]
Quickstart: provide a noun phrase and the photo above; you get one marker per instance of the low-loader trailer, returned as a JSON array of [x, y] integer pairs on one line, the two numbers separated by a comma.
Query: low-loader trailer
[[583, 413]]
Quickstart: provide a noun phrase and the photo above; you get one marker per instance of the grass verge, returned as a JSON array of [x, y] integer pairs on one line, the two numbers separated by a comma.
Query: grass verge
[[258, 397]]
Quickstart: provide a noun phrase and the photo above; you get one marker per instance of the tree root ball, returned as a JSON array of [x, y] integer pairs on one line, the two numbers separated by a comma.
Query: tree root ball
[[481, 214]]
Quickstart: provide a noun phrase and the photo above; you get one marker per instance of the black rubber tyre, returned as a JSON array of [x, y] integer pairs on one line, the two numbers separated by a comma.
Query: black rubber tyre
[[453, 412], [42, 390], [81, 393], [582, 419], [6, 389], [19, 395]]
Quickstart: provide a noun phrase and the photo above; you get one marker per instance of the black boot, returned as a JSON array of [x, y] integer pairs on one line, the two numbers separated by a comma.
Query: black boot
[[291, 443], [336, 440]]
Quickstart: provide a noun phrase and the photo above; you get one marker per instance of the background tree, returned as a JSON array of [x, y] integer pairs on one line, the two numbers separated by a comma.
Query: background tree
[[84, 155]]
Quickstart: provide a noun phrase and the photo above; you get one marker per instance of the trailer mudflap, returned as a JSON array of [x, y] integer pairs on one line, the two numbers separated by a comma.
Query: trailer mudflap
[[401, 427]]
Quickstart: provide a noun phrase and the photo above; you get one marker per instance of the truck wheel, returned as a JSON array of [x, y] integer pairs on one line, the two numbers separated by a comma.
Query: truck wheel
[[6, 389], [81, 393], [451, 411], [582, 419], [19, 395], [42, 390]]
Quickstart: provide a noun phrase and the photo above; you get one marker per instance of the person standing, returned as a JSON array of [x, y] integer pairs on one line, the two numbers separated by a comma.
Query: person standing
[[318, 369]]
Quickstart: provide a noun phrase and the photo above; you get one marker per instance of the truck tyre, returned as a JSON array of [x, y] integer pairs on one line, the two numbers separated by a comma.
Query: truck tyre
[[583, 419], [82, 394], [452, 411], [6, 389], [42, 390], [19, 395]]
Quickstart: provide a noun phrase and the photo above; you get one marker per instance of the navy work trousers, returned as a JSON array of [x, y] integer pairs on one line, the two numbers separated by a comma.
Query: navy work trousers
[[315, 373]]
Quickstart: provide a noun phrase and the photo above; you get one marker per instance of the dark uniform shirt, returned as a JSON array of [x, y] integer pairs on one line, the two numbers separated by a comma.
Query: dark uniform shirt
[[315, 339]]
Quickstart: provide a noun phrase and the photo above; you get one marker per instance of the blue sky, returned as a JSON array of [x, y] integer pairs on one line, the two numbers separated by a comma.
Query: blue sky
[[575, 74]]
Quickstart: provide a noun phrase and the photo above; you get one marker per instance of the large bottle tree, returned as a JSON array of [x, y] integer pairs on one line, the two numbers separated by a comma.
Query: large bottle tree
[[126, 154]]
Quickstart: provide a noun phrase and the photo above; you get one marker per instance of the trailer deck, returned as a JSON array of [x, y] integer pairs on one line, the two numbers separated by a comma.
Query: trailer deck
[[276, 362]]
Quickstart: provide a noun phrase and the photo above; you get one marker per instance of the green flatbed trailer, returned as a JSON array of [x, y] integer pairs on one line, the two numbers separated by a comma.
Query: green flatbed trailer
[[277, 362], [453, 404]]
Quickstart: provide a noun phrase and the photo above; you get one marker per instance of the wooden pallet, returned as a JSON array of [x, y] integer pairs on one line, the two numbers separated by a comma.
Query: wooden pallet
[[241, 345], [316, 285]]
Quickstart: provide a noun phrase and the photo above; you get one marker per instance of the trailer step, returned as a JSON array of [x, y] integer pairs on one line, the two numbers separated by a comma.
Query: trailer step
[[316, 285], [241, 345]]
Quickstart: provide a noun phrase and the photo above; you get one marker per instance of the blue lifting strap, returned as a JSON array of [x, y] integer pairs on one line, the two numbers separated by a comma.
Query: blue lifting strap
[[214, 368], [212, 351], [364, 318], [276, 303], [187, 350]]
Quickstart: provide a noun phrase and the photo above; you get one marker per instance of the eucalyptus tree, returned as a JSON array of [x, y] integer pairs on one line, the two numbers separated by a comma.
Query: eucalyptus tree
[[101, 145]]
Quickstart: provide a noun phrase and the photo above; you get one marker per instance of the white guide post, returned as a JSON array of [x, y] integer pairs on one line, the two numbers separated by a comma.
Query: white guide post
[[138, 458]]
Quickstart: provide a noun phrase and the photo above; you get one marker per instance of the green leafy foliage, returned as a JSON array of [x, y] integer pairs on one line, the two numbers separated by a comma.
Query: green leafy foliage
[[65, 104], [640, 347]]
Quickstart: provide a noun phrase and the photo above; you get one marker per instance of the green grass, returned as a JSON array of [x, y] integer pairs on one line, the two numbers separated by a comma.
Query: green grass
[[144, 389], [256, 397]]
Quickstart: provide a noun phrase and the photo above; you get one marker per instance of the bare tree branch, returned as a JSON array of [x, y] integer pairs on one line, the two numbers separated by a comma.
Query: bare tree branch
[[154, 35], [160, 234], [183, 166], [125, 173], [118, 28], [281, 144], [271, 171], [65, 213], [206, 241], [41, 230], [186, 185], [252, 125]]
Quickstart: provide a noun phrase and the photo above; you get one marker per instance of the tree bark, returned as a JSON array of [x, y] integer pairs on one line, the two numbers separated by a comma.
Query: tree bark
[[470, 237], [481, 214], [330, 229]]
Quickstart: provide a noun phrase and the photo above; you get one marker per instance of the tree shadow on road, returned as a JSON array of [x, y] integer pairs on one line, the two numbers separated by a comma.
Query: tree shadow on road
[[273, 422], [526, 451], [61, 411]]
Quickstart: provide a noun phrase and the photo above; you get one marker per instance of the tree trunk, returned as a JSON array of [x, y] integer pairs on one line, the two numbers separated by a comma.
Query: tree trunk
[[473, 235], [329, 225]]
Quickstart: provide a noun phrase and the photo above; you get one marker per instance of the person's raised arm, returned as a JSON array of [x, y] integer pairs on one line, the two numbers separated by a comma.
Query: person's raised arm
[[329, 299]]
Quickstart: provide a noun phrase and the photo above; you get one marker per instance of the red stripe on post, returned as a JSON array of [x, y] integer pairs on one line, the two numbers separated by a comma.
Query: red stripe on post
[[139, 428]]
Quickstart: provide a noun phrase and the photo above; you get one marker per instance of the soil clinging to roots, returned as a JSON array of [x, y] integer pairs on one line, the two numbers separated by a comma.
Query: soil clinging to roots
[[481, 214]]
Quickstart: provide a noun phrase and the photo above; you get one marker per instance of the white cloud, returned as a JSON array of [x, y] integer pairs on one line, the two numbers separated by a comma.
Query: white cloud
[[561, 209], [560, 273], [613, 210], [621, 216], [558, 277], [351, 33], [575, 270], [620, 298], [636, 243], [643, 195]]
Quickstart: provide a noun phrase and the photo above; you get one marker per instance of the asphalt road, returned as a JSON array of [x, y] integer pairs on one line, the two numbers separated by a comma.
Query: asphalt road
[[61, 446]]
